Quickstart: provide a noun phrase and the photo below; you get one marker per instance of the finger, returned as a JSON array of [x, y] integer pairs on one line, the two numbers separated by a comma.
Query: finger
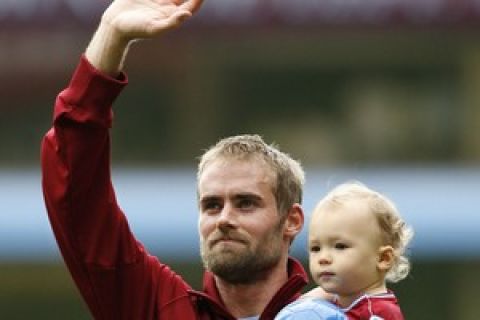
[[191, 5]]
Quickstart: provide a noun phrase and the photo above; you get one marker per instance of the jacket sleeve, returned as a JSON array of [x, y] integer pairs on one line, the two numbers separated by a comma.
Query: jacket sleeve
[[116, 277]]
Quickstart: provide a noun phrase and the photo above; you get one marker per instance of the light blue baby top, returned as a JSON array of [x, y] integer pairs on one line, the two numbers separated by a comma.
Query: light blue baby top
[[311, 309]]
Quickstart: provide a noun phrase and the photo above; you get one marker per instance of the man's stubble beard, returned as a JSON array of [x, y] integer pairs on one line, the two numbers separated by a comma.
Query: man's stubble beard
[[246, 264]]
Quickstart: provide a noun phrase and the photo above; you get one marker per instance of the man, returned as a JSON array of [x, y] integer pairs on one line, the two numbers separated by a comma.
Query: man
[[249, 197]]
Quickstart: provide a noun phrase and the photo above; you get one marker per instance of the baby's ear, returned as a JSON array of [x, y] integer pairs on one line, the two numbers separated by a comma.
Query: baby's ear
[[386, 258]]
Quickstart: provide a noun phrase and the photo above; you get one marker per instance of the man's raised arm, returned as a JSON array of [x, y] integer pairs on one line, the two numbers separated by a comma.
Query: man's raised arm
[[116, 277], [128, 20]]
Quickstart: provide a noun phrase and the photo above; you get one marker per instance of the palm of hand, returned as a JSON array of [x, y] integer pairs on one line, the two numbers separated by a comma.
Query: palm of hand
[[136, 19]]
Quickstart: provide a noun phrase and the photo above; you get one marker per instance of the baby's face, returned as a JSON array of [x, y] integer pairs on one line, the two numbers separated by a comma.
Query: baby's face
[[344, 244]]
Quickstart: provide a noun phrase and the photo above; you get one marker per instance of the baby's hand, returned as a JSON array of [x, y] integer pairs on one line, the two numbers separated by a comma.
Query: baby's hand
[[319, 293]]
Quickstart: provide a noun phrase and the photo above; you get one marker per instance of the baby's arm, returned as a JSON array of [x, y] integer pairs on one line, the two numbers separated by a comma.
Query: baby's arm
[[318, 292]]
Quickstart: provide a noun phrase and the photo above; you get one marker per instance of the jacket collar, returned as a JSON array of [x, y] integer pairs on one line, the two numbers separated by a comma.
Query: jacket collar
[[290, 291]]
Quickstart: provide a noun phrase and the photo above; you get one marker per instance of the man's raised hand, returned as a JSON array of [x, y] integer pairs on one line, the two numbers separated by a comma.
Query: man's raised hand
[[140, 19], [128, 20]]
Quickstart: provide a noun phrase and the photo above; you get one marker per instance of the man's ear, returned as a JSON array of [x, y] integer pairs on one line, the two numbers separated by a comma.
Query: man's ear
[[294, 221], [386, 258]]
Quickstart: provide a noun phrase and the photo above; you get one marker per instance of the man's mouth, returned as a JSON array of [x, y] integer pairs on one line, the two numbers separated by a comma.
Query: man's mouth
[[226, 240]]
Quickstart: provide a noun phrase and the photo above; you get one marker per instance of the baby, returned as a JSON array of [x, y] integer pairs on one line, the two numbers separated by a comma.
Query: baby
[[357, 242]]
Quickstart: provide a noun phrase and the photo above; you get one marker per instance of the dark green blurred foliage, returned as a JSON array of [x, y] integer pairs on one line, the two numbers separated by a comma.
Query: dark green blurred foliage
[[329, 98]]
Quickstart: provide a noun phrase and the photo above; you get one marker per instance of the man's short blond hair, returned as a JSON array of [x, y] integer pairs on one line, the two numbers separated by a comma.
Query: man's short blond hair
[[288, 175]]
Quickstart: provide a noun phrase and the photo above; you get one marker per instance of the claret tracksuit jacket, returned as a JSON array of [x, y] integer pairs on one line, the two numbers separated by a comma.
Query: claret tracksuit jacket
[[117, 278]]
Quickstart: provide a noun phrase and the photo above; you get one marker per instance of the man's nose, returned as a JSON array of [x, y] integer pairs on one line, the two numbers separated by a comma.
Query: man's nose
[[226, 218]]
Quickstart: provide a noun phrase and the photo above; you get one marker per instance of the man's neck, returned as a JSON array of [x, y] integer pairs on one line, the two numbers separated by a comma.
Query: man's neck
[[246, 300]]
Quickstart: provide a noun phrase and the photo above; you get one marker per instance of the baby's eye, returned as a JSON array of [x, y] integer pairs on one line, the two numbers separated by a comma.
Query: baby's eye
[[340, 246], [314, 248]]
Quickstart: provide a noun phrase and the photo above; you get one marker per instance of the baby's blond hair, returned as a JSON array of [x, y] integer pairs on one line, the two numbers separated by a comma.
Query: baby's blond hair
[[394, 231]]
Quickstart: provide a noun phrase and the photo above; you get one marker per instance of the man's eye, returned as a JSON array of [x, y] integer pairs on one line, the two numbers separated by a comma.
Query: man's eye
[[314, 248], [211, 206], [246, 204]]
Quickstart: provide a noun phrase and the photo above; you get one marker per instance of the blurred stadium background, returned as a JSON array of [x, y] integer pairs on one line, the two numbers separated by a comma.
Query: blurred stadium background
[[386, 92]]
